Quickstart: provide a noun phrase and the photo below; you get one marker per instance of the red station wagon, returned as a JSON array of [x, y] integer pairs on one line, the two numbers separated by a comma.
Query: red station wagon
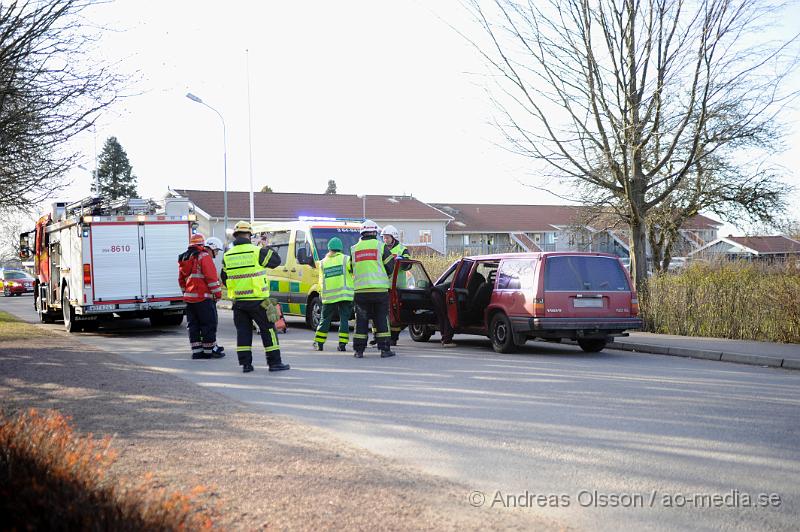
[[515, 297]]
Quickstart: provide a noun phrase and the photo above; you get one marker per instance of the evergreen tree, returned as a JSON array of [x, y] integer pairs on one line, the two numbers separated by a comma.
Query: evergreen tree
[[115, 173], [266, 188], [331, 187]]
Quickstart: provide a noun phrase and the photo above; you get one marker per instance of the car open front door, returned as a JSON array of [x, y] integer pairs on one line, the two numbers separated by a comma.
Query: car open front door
[[458, 293], [410, 298]]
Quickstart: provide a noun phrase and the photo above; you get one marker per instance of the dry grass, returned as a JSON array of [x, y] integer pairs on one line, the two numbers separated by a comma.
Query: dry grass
[[741, 301], [435, 265], [53, 479], [12, 328]]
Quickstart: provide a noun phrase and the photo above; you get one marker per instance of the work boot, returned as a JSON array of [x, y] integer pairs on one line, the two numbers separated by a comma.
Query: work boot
[[247, 368], [393, 341], [387, 353], [318, 346], [217, 352], [359, 354], [373, 342], [275, 363], [342, 347]]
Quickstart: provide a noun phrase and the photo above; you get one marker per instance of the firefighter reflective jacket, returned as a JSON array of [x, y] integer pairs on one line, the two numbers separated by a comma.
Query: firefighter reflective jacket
[[197, 275], [370, 262], [400, 251], [335, 279], [244, 274]]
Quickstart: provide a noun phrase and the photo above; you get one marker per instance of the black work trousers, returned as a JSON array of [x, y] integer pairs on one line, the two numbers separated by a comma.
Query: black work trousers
[[245, 313], [371, 306], [201, 318], [440, 306]]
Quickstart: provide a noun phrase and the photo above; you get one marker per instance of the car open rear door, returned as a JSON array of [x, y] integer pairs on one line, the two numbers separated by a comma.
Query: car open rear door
[[458, 294], [410, 297]]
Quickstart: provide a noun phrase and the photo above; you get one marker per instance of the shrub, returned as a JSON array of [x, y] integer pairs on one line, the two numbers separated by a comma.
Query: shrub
[[52, 479], [742, 301], [435, 265]]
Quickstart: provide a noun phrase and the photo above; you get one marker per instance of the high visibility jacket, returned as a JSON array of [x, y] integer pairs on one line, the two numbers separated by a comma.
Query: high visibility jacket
[[400, 251], [245, 276], [197, 275], [335, 279], [369, 266]]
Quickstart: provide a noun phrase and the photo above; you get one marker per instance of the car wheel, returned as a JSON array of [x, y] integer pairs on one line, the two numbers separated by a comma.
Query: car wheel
[[592, 345], [6, 293], [502, 334], [419, 332], [314, 312], [69, 313]]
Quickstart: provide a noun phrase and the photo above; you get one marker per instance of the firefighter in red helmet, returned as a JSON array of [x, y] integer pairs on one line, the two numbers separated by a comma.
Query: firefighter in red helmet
[[197, 276]]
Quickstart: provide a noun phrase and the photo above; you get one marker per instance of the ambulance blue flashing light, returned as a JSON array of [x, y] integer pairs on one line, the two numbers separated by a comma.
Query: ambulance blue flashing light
[[328, 219]]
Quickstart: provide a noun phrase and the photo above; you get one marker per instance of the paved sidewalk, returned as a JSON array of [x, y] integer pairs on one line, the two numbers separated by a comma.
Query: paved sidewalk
[[771, 354]]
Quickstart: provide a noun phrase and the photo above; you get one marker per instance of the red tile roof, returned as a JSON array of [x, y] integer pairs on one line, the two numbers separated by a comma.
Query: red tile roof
[[766, 245], [490, 218], [487, 218], [290, 205]]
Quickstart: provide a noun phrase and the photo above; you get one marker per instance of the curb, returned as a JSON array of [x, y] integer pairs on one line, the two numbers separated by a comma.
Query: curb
[[721, 356]]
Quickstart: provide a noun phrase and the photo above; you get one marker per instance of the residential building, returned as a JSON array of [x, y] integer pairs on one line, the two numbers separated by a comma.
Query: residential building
[[761, 248], [419, 223], [489, 228]]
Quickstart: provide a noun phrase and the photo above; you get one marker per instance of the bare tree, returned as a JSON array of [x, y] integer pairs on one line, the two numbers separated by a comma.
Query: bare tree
[[628, 99], [50, 90]]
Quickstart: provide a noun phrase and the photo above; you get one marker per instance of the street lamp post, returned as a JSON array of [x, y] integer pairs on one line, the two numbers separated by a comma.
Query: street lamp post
[[363, 205], [224, 157]]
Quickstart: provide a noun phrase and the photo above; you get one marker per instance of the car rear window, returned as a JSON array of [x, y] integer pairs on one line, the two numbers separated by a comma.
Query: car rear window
[[582, 273]]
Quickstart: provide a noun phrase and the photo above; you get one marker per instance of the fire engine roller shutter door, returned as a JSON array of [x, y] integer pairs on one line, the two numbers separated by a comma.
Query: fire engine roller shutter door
[[163, 242], [115, 264]]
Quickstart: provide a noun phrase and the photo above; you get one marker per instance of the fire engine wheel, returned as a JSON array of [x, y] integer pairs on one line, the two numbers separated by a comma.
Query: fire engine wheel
[[314, 312], [420, 332], [44, 316], [69, 313], [161, 320]]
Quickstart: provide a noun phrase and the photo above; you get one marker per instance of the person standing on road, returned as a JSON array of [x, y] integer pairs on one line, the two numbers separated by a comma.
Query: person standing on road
[[391, 238], [197, 277], [245, 276], [371, 263], [336, 285], [214, 246]]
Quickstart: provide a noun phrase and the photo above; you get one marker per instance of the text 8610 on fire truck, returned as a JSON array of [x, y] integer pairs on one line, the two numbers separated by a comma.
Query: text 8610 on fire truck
[[95, 260]]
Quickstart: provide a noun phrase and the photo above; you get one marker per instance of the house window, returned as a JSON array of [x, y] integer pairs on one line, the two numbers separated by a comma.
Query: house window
[[402, 236], [425, 236], [466, 240]]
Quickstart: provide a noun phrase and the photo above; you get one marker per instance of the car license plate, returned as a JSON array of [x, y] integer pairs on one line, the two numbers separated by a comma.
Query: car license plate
[[98, 308], [588, 303]]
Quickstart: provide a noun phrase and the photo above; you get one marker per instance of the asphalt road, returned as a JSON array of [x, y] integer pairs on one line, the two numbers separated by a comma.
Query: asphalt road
[[616, 440]]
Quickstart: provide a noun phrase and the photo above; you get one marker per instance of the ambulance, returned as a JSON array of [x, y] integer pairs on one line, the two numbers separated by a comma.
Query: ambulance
[[301, 245]]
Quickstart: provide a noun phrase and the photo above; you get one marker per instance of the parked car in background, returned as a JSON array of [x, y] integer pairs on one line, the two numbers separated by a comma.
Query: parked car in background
[[16, 282], [677, 264], [512, 298]]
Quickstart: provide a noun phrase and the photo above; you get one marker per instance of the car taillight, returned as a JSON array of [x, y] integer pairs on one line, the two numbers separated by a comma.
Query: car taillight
[[538, 306], [634, 305], [87, 274]]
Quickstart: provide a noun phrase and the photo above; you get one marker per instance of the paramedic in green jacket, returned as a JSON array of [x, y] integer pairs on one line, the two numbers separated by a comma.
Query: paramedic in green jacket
[[336, 287]]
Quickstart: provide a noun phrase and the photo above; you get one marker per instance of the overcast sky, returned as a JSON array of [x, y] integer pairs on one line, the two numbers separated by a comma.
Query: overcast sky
[[383, 97]]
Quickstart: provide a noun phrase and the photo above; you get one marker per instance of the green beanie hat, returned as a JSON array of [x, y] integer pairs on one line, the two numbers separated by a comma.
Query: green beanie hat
[[334, 244]]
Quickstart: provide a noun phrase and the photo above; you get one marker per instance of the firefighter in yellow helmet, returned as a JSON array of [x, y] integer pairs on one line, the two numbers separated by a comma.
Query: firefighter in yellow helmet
[[244, 274], [371, 263]]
